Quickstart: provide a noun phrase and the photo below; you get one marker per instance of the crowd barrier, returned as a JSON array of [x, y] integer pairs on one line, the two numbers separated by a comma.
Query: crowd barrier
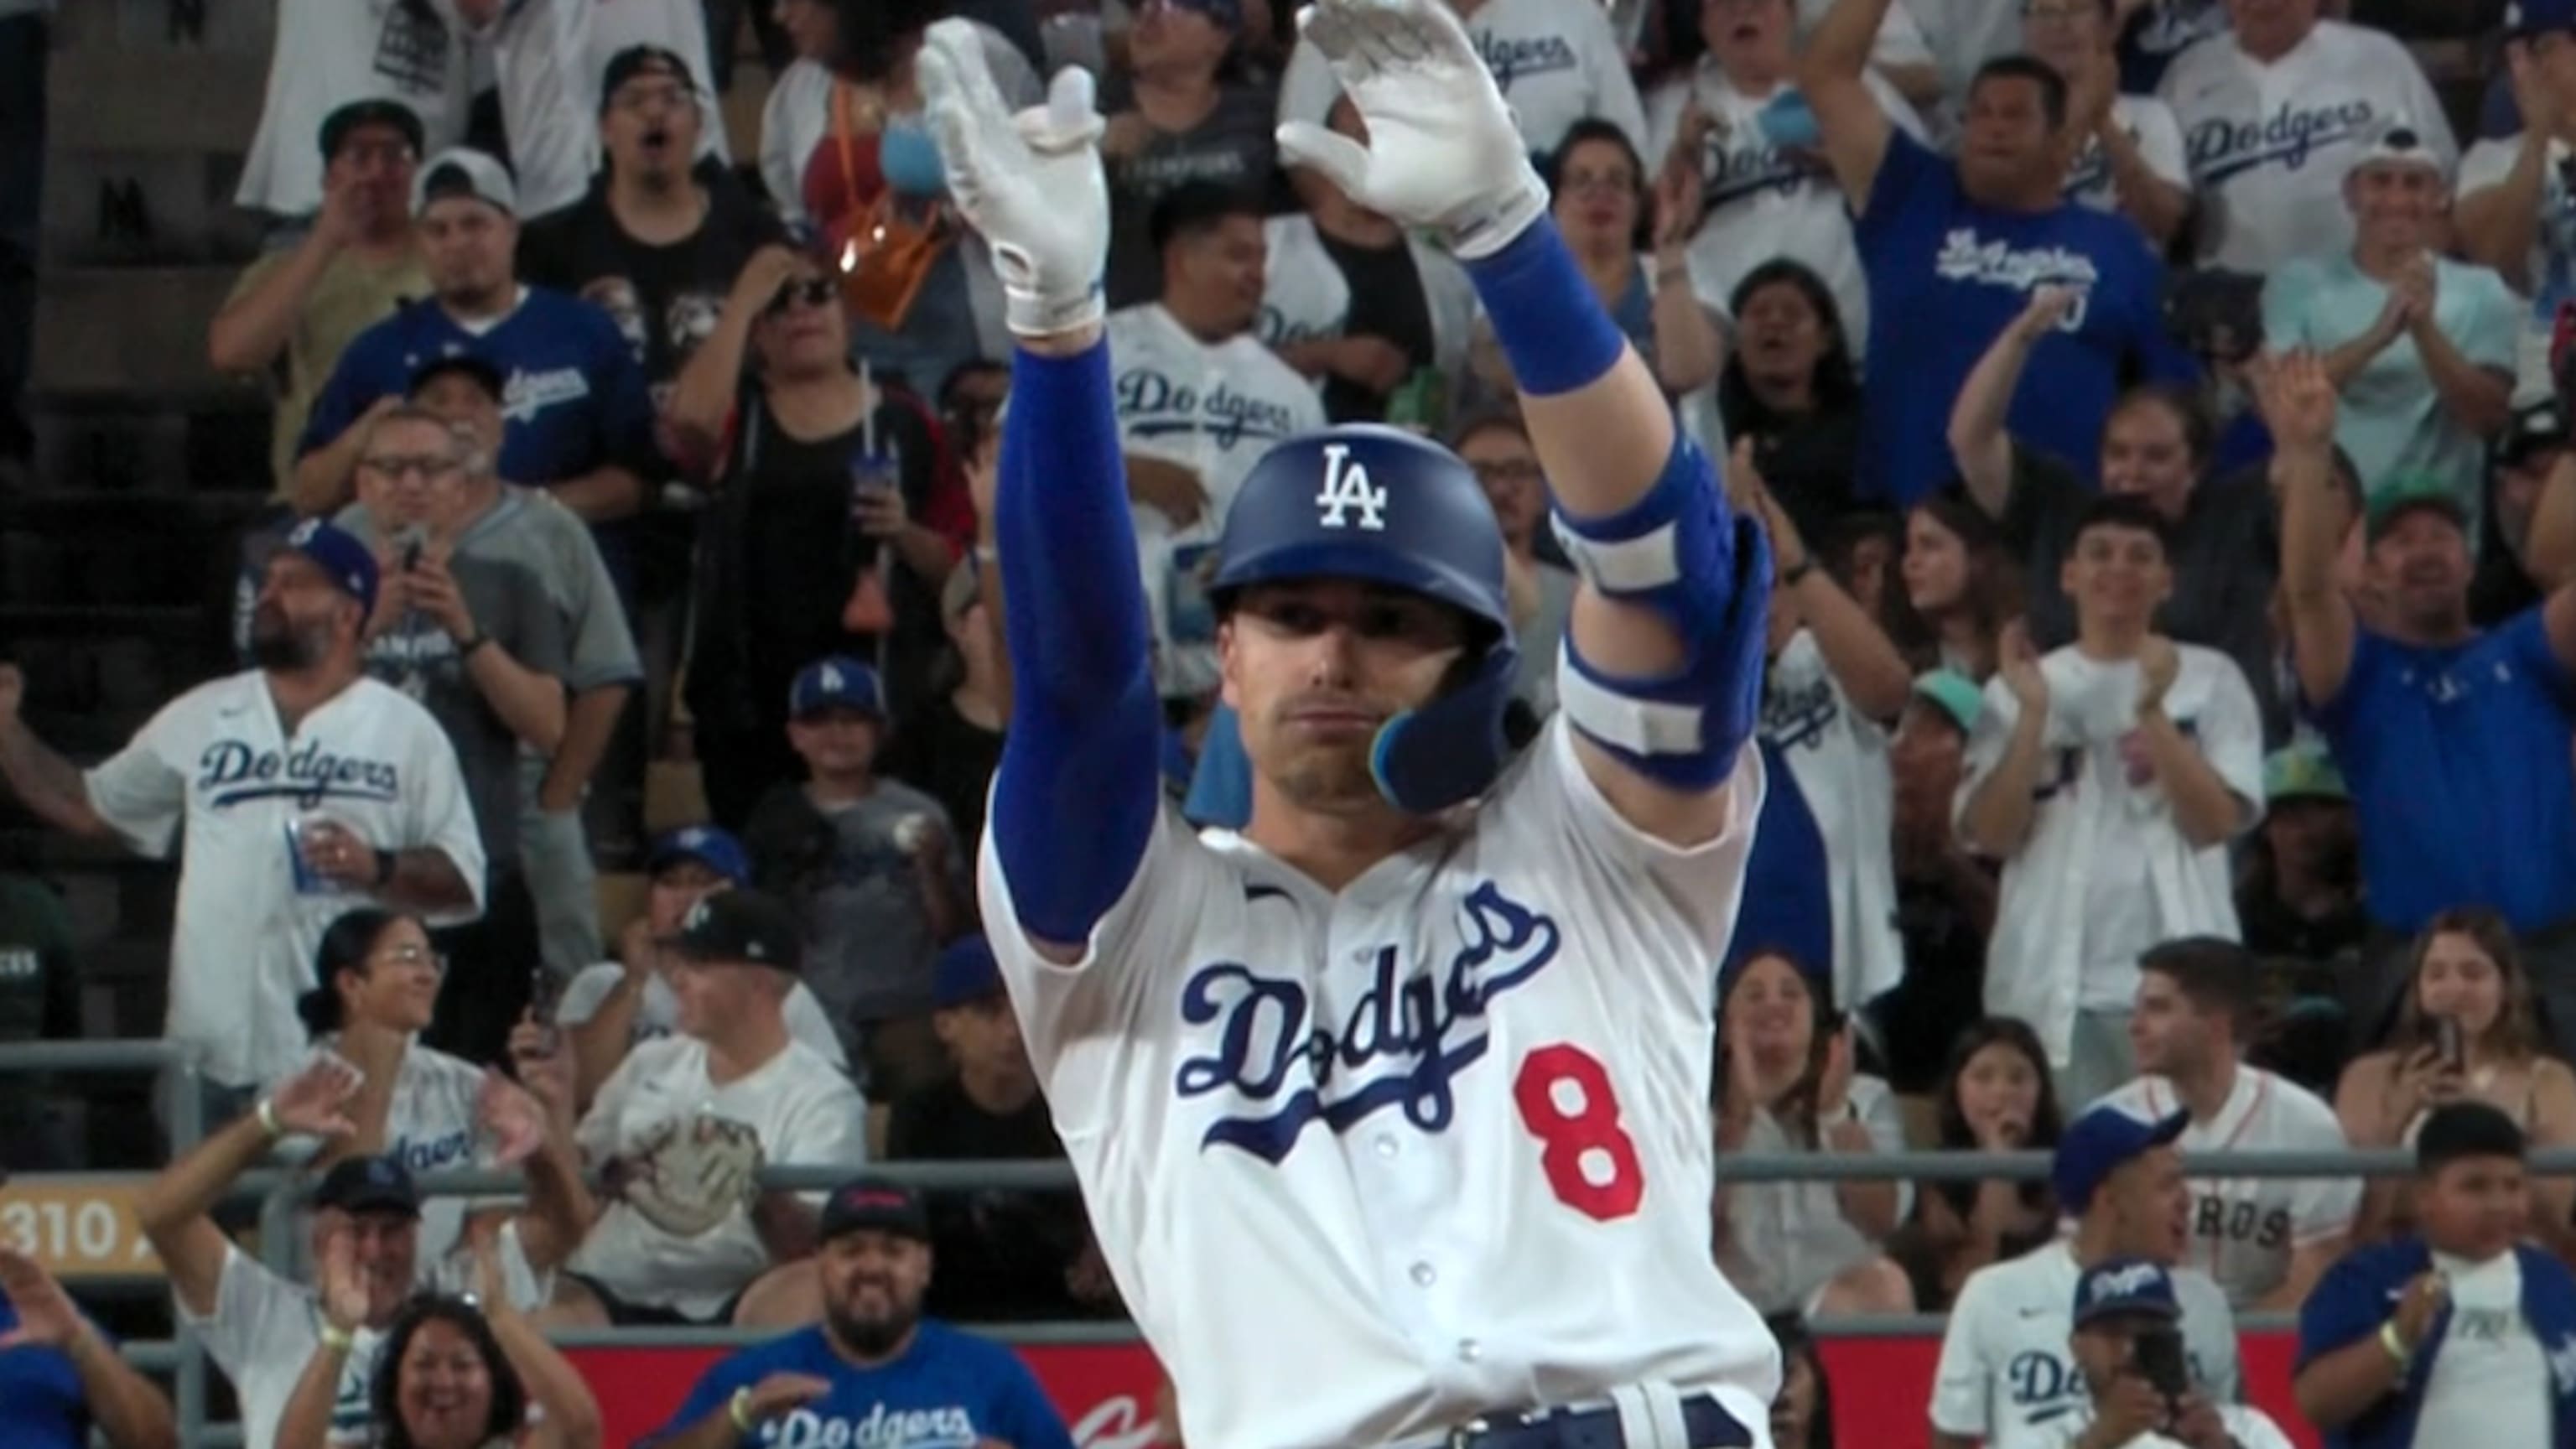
[[1099, 1375]]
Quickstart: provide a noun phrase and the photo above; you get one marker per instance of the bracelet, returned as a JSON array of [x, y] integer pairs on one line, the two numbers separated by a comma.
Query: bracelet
[[466, 649], [741, 1411], [268, 1123], [2398, 1352], [337, 1339]]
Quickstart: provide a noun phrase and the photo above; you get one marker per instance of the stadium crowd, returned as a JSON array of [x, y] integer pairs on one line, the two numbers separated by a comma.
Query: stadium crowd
[[2161, 424]]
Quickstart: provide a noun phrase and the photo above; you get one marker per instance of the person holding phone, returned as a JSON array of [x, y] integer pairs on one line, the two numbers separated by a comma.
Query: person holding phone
[[2128, 1345]]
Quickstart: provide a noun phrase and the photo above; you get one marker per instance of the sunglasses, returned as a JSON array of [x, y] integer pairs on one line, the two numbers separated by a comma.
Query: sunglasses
[[812, 291]]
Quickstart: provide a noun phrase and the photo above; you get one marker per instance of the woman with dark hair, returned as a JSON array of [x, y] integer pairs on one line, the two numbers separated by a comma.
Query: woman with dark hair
[[379, 978], [1802, 1413], [1785, 1083], [1791, 386], [1961, 589], [1995, 1096], [2467, 1028], [454, 1373]]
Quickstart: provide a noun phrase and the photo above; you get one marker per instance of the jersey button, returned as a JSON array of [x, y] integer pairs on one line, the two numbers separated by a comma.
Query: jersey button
[[1386, 1144], [1423, 1277]]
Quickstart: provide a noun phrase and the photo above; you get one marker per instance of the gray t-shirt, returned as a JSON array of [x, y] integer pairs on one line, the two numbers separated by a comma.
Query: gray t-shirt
[[869, 952], [1233, 147]]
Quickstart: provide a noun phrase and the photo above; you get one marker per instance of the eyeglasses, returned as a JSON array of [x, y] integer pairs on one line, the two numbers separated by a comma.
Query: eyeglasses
[[416, 958], [430, 467], [813, 292]]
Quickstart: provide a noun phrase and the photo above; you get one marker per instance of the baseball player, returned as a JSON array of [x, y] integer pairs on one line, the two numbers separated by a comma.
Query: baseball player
[[1412, 1071]]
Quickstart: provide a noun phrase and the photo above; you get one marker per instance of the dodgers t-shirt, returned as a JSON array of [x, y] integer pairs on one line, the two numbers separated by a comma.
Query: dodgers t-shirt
[[41, 1405], [2461, 775], [1947, 275], [947, 1391]]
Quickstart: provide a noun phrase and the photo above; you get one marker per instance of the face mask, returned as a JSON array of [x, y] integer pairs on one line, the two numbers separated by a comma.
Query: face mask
[[910, 158]]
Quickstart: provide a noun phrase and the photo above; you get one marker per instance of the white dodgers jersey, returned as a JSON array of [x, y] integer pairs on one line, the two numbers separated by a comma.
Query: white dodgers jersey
[[1441, 1137]]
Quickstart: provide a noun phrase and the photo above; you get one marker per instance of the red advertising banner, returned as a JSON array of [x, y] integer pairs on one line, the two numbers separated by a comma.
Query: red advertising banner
[[1107, 1393]]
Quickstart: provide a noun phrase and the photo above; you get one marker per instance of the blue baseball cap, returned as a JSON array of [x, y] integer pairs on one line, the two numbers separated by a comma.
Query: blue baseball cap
[[351, 564], [2121, 1286], [966, 972], [715, 849], [369, 1185], [2526, 18], [836, 682], [2094, 1146]]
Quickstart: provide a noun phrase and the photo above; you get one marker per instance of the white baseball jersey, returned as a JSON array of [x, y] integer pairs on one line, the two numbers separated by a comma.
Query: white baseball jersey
[[1213, 408], [2270, 144], [1354, 1122], [2243, 1230], [1764, 202], [657, 1013], [262, 1333], [2007, 1375], [217, 762], [2250, 1428], [431, 1126], [806, 1114], [2151, 124], [1304, 294], [2104, 872], [1555, 63], [1840, 759]]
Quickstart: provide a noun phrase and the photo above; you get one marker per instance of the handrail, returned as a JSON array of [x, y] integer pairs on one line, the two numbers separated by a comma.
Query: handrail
[[125, 1054]]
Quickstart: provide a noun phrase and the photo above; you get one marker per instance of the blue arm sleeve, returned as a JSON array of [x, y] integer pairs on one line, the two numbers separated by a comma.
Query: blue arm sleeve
[[1080, 779], [342, 398]]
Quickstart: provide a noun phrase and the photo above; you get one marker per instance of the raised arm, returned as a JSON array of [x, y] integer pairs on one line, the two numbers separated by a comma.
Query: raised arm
[[1855, 130], [1662, 674], [2298, 401], [1978, 440], [174, 1206], [1085, 727], [128, 1408], [43, 781]]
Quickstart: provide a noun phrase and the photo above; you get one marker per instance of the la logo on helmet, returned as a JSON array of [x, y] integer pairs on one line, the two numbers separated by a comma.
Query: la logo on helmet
[[1347, 490]]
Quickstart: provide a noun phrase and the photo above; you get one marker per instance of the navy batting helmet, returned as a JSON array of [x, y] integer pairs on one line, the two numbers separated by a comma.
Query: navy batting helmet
[[1383, 506]]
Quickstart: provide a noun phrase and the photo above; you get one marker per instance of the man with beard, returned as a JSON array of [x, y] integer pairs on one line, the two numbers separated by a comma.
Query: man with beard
[[2452, 741], [303, 789], [874, 1371]]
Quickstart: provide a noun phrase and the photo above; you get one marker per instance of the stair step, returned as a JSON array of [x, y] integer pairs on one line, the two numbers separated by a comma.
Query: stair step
[[135, 97], [129, 329], [136, 206]]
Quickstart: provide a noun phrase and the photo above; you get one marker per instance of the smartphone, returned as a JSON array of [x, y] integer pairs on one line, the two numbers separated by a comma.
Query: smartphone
[[545, 994], [2454, 1047], [2158, 1354], [414, 540]]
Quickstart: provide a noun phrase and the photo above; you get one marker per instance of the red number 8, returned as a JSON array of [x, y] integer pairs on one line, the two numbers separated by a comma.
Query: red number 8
[[1572, 1138]]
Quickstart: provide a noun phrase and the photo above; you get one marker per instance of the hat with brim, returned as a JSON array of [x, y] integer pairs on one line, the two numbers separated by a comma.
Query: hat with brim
[[871, 1204], [2302, 772], [2413, 493], [2125, 1288], [2097, 1144], [392, 115], [1954, 694], [369, 1185]]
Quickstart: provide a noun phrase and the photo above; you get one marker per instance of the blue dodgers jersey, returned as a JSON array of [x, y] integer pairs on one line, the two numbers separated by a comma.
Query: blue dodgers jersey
[[575, 398], [948, 1391], [1946, 276], [41, 1406]]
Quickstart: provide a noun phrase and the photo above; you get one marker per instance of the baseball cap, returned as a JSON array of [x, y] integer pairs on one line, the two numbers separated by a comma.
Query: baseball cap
[[709, 846], [2399, 143], [464, 171], [966, 972], [469, 364], [351, 565], [374, 111], [2095, 1144], [2408, 493], [368, 1185], [2537, 427], [835, 682], [873, 1202], [743, 926], [2120, 1286], [2526, 18], [2302, 772], [1955, 694], [643, 60]]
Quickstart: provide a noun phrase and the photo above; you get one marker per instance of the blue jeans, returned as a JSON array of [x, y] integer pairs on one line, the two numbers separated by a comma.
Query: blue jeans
[[22, 186]]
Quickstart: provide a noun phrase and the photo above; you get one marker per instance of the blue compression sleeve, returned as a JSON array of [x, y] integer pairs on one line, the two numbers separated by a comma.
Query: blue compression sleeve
[[1074, 800], [1552, 327]]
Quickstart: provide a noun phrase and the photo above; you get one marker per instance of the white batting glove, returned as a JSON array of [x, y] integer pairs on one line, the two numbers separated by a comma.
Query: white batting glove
[[1030, 183], [1443, 151]]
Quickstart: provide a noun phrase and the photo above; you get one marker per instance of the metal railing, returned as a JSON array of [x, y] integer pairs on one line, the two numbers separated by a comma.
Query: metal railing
[[280, 1191]]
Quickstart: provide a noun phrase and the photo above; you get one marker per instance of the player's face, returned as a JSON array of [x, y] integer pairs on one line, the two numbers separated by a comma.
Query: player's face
[[465, 247], [2475, 1207], [460, 402], [983, 1036], [445, 1397], [650, 129], [1598, 193], [1936, 565], [835, 743], [1507, 466], [1314, 669], [872, 1287], [1225, 267], [1999, 1092], [2165, 1030], [2006, 140], [1780, 337], [298, 615], [2420, 563], [1771, 1012], [2460, 980], [399, 990], [1747, 35], [411, 473], [681, 884], [2150, 1205], [2146, 452], [2395, 205], [2269, 27], [2117, 577]]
